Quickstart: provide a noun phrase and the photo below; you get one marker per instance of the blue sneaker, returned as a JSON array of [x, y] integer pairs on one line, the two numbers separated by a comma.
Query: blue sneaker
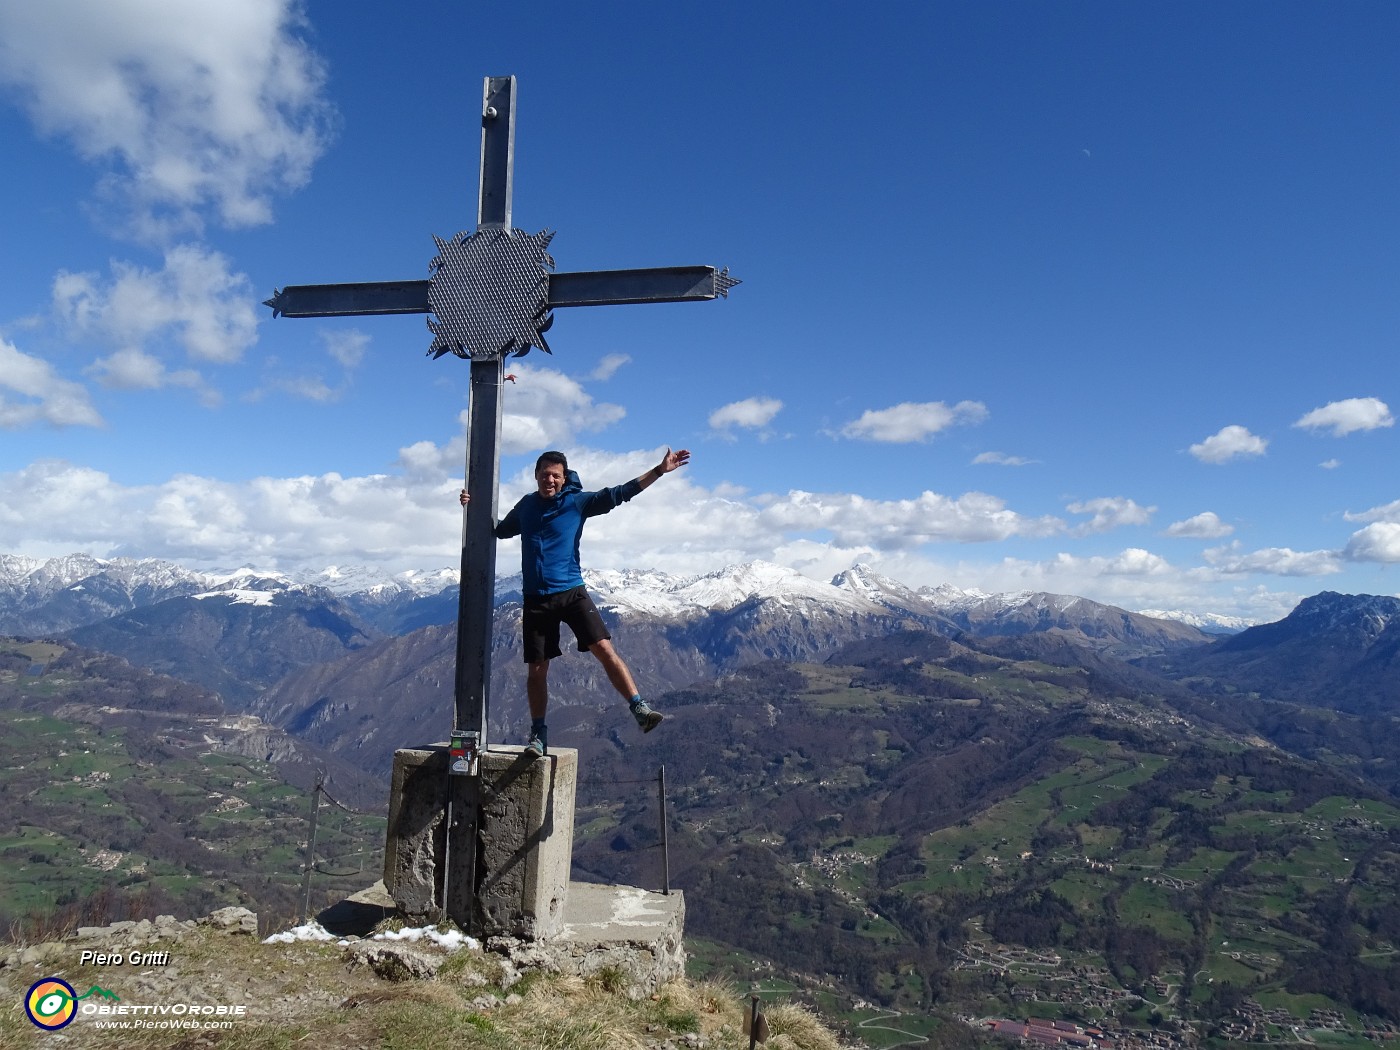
[[645, 716], [538, 744]]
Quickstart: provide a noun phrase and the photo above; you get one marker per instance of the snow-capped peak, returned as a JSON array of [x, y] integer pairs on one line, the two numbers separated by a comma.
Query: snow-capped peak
[[863, 581], [1210, 623], [947, 594], [656, 593], [249, 579], [379, 584]]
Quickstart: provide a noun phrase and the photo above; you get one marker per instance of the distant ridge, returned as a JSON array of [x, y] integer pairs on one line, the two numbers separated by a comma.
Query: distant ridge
[[1334, 650], [57, 595]]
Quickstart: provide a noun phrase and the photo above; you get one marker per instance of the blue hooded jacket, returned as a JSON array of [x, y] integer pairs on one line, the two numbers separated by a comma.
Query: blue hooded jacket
[[550, 530]]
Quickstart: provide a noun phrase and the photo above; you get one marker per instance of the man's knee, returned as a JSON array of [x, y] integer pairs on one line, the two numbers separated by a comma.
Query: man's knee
[[538, 669], [602, 649]]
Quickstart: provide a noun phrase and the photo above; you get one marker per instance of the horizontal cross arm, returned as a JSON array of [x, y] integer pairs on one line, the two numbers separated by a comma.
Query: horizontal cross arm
[[346, 300], [666, 284]]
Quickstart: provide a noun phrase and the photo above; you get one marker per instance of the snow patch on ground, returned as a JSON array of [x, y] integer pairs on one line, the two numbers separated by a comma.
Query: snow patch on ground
[[314, 931], [240, 597], [311, 931], [451, 939]]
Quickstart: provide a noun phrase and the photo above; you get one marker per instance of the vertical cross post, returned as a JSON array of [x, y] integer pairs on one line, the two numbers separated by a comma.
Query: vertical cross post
[[477, 591], [476, 601], [497, 151]]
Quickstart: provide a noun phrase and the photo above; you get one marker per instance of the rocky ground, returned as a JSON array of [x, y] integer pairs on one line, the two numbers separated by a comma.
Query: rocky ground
[[167, 984]]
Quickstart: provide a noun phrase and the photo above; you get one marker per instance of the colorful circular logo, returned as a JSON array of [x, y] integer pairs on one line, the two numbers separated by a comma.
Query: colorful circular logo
[[51, 1003]]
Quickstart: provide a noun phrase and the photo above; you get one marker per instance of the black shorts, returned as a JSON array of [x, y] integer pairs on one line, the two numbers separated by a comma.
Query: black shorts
[[545, 612]]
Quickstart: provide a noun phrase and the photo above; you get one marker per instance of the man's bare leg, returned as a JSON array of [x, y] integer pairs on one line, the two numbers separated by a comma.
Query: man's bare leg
[[621, 679], [537, 689], [537, 693], [617, 672]]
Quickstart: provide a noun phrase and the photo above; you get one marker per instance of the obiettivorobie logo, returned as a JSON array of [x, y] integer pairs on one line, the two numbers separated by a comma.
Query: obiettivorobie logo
[[52, 1003]]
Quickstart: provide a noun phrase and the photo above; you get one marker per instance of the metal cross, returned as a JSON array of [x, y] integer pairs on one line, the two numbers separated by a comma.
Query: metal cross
[[491, 295]]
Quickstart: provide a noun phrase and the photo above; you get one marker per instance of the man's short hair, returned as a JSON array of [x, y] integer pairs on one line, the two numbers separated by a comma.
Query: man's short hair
[[551, 457]]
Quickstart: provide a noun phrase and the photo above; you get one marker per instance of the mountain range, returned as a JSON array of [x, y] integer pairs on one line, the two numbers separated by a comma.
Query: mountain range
[[350, 659], [856, 765], [57, 595], [357, 661]]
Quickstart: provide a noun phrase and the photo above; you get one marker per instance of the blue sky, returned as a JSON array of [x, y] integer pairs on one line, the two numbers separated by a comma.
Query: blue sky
[[1094, 298]]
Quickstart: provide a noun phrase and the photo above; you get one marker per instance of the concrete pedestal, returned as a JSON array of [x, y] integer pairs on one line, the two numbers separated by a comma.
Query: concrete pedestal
[[518, 859]]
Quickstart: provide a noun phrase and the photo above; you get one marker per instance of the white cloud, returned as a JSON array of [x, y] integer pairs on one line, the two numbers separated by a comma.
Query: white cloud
[[424, 459], [1227, 444], [194, 301], [853, 520], [753, 413], [345, 347], [1001, 459], [31, 392], [189, 108], [1388, 512], [130, 369], [608, 366], [411, 519], [1275, 561], [1131, 579], [1110, 512], [1379, 541], [53, 507], [1345, 417], [546, 409], [543, 409], [1205, 526], [309, 387], [1134, 561], [134, 369], [1074, 574], [680, 526], [913, 421]]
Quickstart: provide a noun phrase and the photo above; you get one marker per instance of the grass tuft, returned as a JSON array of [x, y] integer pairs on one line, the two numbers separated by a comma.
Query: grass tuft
[[792, 1026]]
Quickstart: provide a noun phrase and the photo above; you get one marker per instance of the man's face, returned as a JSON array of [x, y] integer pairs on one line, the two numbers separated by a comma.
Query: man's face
[[550, 479]]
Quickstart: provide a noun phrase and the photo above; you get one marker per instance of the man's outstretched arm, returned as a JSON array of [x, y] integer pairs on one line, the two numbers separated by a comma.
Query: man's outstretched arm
[[669, 462], [604, 500]]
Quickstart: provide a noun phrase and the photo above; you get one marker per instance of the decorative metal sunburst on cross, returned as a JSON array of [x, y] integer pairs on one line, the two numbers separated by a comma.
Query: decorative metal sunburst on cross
[[490, 293]]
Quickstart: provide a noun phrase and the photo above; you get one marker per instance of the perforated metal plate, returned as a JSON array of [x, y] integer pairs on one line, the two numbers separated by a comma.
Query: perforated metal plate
[[489, 293]]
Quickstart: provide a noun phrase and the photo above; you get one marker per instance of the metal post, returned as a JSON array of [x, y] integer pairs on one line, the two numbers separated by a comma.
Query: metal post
[[665, 852], [497, 151], [310, 851], [475, 609], [478, 588]]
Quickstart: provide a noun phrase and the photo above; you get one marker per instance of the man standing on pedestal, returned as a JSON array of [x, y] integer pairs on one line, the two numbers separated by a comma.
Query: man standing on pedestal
[[549, 522]]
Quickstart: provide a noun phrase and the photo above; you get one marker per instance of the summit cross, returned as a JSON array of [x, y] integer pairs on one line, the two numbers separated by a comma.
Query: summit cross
[[491, 294]]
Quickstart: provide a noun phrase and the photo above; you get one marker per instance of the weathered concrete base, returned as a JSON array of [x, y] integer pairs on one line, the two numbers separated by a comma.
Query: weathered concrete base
[[638, 934], [520, 855]]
